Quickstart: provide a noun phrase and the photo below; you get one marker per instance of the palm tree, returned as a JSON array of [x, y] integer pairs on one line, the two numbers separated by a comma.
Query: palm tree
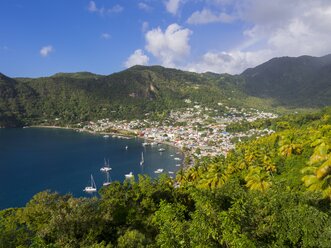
[[193, 174], [181, 177], [268, 164], [257, 179], [288, 145], [215, 177], [318, 173]]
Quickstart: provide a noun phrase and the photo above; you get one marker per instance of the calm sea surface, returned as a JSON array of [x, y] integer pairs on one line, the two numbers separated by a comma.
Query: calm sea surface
[[37, 159]]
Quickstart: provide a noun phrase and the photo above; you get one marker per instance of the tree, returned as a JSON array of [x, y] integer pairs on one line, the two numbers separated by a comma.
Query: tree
[[170, 218], [258, 179], [318, 173], [132, 239], [288, 145]]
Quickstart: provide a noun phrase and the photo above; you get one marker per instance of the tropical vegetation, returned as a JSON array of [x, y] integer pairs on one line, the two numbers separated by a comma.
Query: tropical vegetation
[[67, 98], [274, 191]]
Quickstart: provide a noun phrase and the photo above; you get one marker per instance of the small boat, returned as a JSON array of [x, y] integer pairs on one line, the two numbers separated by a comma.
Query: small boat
[[106, 136], [171, 155], [178, 159], [171, 172], [146, 144], [158, 171], [153, 143], [161, 150], [106, 167], [178, 165], [126, 147], [108, 181], [92, 188], [130, 175], [142, 159]]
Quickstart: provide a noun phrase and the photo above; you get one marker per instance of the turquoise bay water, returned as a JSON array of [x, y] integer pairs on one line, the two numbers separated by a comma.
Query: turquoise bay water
[[37, 159]]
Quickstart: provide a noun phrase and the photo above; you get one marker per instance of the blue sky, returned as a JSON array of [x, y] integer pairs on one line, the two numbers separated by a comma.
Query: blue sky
[[40, 37]]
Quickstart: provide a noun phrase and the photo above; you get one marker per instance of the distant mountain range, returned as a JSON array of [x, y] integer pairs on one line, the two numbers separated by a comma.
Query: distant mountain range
[[303, 81], [73, 97]]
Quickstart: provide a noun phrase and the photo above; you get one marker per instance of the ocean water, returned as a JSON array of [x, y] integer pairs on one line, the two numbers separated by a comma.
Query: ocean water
[[37, 159]]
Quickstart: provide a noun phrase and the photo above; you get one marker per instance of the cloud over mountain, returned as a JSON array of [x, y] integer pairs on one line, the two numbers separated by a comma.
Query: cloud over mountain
[[277, 28], [137, 58], [169, 46]]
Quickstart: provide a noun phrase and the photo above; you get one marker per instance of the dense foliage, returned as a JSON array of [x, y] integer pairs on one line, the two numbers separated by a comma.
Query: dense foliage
[[301, 81], [67, 98], [274, 191]]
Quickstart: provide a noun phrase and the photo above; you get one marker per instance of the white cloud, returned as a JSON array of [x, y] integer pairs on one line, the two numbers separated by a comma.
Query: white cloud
[[144, 6], [269, 29], [105, 36], [116, 9], [137, 58], [170, 46], [46, 50], [92, 7], [172, 6], [228, 62], [289, 28], [273, 29], [207, 16]]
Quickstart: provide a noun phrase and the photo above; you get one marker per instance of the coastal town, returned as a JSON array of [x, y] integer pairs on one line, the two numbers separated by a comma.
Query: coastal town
[[198, 130]]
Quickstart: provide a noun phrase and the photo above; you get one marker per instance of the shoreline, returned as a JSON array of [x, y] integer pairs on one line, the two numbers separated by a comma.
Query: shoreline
[[185, 154]]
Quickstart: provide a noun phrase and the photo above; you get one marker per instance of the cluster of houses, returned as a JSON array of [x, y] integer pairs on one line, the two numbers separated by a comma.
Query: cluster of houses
[[199, 130]]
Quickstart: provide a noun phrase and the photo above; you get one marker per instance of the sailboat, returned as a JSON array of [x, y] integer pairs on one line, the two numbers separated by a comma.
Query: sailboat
[[92, 188], [106, 167], [107, 179], [130, 175], [142, 159], [158, 171]]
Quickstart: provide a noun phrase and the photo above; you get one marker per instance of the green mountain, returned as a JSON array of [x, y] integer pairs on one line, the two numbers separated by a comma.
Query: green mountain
[[17, 102], [303, 81], [74, 97]]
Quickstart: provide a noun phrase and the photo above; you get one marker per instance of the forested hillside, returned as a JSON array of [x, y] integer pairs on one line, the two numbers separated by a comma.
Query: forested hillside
[[76, 97], [17, 102], [66, 98], [274, 191], [303, 81]]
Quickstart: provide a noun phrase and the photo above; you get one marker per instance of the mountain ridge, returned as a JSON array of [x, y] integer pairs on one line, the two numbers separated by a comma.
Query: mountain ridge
[[80, 96], [291, 80]]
